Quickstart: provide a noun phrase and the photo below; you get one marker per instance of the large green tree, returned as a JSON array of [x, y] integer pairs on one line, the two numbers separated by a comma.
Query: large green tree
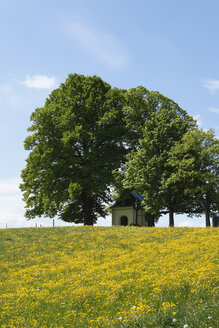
[[146, 170], [195, 164], [76, 140]]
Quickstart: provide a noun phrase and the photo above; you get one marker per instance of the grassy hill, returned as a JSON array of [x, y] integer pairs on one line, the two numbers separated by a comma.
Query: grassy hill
[[108, 277]]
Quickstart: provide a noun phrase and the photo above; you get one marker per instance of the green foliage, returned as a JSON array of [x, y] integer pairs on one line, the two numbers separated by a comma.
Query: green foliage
[[140, 106], [146, 167], [76, 141], [195, 164], [78, 146]]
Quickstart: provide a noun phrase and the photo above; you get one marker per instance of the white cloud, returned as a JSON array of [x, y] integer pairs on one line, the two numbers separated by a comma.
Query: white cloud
[[185, 224], [12, 208], [103, 46], [9, 186], [190, 224], [11, 205], [214, 110], [211, 84], [198, 118], [39, 82]]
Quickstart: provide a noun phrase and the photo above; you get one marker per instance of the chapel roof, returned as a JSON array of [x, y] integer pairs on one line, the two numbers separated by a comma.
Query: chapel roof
[[127, 199]]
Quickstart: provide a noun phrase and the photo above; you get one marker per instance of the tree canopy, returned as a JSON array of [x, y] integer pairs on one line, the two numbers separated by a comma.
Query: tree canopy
[[146, 170], [89, 137], [76, 141], [140, 105], [194, 161]]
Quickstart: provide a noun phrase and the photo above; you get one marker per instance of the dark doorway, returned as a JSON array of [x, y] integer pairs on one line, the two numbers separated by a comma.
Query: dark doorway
[[124, 221]]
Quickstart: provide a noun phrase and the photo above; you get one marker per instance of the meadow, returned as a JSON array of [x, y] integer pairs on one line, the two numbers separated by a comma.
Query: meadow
[[109, 277]]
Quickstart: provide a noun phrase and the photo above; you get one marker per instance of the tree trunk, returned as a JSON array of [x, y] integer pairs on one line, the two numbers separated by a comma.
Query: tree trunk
[[150, 219], [87, 209], [171, 218], [207, 218]]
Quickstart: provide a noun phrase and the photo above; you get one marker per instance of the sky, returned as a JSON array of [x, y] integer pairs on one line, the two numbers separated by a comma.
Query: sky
[[168, 46]]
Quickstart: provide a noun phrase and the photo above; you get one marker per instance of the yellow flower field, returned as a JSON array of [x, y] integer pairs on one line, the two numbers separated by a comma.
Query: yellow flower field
[[108, 277]]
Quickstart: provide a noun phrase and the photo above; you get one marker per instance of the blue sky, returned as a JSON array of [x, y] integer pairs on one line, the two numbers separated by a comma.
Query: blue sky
[[169, 46]]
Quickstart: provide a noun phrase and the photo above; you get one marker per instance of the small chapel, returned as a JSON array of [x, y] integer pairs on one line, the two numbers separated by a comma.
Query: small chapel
[[129, 211]]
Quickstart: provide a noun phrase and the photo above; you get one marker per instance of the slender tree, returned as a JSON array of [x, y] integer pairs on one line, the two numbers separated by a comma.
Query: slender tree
[[141, 106], [195, 165], [76, 141], [146, 167]]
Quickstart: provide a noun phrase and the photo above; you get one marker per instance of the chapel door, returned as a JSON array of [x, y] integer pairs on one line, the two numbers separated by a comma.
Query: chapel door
[[124, 221]]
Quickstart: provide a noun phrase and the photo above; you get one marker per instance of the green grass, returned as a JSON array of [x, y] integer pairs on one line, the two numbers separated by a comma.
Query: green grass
[[109, 277]]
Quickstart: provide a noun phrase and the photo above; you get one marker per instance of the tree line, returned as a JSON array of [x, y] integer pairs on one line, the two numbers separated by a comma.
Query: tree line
[[90, 138]]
